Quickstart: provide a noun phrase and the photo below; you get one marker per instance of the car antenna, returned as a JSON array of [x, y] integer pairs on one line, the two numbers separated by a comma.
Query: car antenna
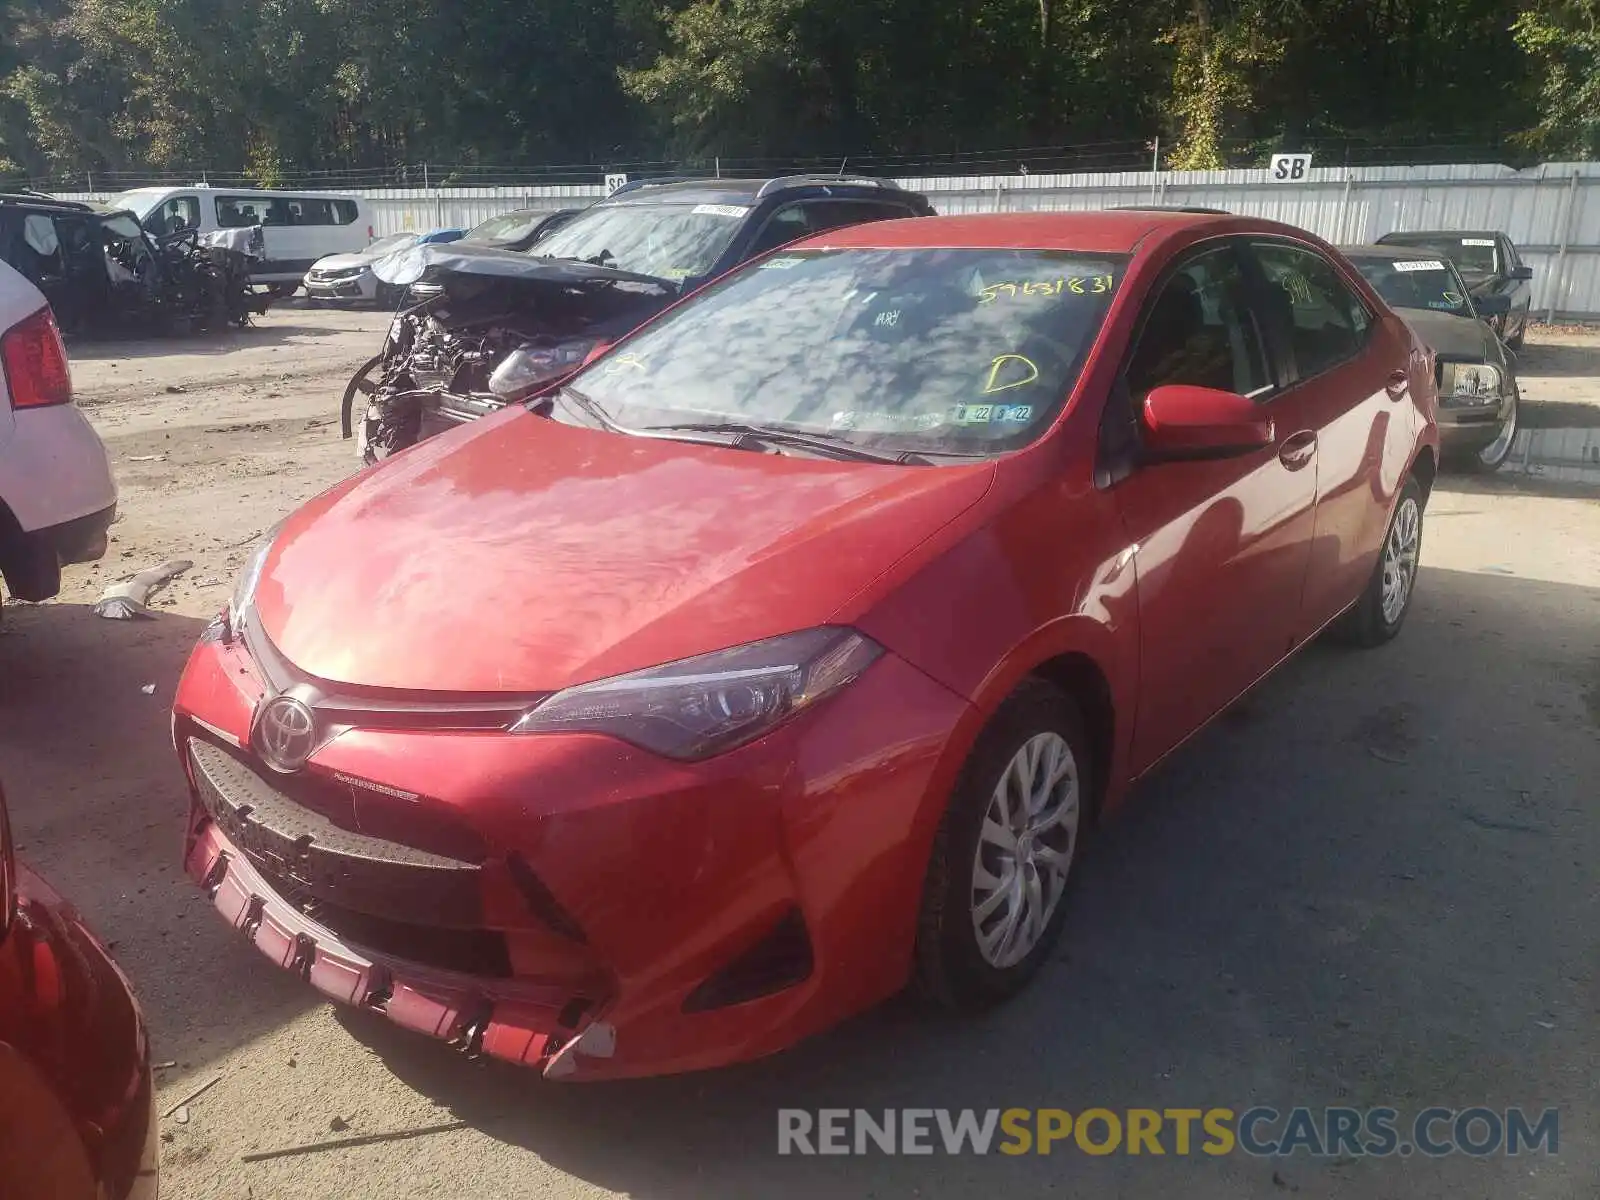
[[842, 166]]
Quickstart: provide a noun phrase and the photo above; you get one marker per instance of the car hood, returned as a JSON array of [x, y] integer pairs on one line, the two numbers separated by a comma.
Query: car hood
[[343, 262], [519, 554], [1453, 336]]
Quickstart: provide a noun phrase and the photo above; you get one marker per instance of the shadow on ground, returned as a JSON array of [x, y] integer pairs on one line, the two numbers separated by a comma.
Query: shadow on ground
[[223, 341], [1557, 360], [1365, 885], [97, 803]]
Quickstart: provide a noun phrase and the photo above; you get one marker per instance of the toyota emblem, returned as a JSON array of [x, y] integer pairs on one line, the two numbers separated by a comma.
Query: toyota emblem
[[286, 733]]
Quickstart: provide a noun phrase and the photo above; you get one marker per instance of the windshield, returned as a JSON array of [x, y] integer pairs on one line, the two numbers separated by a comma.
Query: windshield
[[138, 202], [1472, 255], [512, 227], [669, 241], [1430, 283], [954, 351]]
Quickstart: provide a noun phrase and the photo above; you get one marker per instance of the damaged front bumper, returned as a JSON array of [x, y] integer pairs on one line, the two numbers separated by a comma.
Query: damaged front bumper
[[568, 902]]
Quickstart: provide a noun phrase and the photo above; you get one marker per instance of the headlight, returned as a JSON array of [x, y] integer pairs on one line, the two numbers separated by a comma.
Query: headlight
[[244, 592], [1471, 383], [523, 371], [702, 706]]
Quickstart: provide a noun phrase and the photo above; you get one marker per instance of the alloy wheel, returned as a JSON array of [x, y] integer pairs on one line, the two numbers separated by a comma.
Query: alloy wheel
[[1025, 849], [1400, 554]]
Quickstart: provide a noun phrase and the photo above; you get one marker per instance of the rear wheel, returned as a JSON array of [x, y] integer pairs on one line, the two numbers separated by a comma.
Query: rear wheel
[[1381, 611], [994, 901]]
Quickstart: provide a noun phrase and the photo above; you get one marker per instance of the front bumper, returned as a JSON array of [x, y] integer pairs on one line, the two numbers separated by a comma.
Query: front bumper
[[579, 905], [355, 287], [1467, 429]]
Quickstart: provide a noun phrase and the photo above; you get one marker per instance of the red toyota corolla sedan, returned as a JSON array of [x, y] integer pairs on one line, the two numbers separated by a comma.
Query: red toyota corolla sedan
[[788, 651]]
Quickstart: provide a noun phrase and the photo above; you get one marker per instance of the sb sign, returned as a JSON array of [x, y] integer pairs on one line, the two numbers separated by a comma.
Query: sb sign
[[1290, 168], [613, 182]]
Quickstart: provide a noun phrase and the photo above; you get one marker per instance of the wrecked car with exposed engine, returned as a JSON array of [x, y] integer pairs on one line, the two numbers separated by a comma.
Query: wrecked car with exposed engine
[[492, 327], [103, 273]]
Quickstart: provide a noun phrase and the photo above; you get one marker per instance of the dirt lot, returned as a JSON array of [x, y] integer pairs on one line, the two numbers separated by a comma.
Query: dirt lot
[[1373, 883]]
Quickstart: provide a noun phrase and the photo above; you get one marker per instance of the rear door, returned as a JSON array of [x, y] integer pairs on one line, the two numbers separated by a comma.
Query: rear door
[[1343, 368], [1222, 545]]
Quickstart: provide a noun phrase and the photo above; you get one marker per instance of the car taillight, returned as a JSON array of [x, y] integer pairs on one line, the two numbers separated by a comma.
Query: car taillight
[[35, 362]]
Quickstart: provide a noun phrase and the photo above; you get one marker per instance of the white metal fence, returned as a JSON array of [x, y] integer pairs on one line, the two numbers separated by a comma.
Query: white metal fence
[[1552, 212]]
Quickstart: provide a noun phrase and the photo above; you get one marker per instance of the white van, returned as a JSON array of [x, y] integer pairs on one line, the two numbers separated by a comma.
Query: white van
[[299, 227]]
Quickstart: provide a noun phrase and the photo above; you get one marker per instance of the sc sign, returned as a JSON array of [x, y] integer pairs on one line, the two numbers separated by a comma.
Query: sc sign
[[613, 182], [1290, 168]]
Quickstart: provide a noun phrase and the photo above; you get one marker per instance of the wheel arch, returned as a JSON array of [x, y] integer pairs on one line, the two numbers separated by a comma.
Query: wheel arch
[[1426, 469], [1082, 678]]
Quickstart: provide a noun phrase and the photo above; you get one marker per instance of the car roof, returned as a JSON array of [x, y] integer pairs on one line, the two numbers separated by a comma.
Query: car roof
[[1441, 233], [1121, 231], [747, 192], [1393, 252], [40, 200]]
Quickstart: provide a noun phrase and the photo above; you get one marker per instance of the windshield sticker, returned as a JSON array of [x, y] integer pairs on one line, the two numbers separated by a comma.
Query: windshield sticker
[[676, 273], [887, 320], [720, 210], [989, 414], [1090, 285], [1010, 371], [1477, 241], [623, 362], [781, 264], [1420, 264]]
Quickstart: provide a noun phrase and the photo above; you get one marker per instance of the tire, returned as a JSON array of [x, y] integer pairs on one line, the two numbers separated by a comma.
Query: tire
[[953, 968], [359, 384], [1372, 623]]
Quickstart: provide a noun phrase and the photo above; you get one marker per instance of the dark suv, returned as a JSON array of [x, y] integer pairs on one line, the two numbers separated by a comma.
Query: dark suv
[[694, 230], [490, 328]]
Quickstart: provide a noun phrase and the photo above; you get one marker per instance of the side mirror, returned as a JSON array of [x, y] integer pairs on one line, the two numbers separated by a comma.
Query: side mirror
[[599, 349], [1183, 422], [1522, 274], [1492, 306]]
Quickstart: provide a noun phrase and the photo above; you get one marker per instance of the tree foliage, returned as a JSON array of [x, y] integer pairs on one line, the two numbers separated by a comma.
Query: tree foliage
[[276, 88]]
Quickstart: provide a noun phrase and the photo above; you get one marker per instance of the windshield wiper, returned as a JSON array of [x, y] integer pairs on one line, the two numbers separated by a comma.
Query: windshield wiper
[[789, 437], [585, 404]]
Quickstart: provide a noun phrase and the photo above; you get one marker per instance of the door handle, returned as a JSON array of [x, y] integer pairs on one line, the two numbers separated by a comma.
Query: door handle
[[1298, 451]]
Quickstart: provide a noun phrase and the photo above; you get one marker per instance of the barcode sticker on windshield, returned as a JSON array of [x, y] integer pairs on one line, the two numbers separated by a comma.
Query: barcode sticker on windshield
[[1421, 264], [1477, 241], [719, 210]]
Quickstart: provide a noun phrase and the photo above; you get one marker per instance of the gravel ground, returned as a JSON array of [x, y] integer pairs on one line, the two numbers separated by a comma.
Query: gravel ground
[[1371, 883]]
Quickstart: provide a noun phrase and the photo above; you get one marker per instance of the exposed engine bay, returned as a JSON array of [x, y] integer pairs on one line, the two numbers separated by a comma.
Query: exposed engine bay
[[486, 328]]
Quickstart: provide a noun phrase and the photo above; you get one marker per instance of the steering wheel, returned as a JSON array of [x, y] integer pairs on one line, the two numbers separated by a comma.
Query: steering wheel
[[189, 234]]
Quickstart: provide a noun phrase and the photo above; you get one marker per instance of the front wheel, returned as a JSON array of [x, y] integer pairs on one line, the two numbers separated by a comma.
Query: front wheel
[[363, 383], [994, 900], [1381, 611]]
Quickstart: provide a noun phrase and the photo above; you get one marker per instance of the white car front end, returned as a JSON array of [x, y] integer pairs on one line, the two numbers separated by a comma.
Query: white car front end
[[345, 277]]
